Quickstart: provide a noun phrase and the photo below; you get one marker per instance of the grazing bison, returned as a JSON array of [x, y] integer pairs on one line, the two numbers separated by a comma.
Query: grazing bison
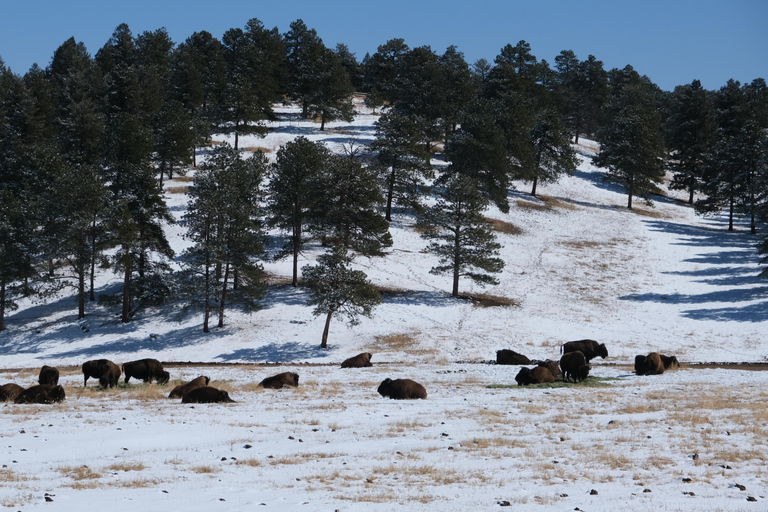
[[146, 370], [506, 356], [206, 395], [669, 362], [105, 370], [10, 391], [362, 360], [41, 394], [281, 380], [649, 365], [182, 389], [402, 389], [590, 348], [574, 366], [537, 375], [49, 376], [552, 366]]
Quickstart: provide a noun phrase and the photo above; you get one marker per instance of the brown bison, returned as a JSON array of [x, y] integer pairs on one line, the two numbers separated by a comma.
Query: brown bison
[[537, 375], [574, 366], [41, 394], [552, 366], [590, 348], [182, 389], [146, 370], [362, 360], [10, 391], [206, 395], [402, 389], [281, 380], [669, 362], [105, 370], [506, 356], [649, 365], [49, 376]]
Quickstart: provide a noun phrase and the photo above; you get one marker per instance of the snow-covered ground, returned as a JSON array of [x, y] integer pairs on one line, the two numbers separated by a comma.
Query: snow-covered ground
[[653, 279]]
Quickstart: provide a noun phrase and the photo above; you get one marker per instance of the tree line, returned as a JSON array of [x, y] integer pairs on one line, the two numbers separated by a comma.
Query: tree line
[[86, 143]]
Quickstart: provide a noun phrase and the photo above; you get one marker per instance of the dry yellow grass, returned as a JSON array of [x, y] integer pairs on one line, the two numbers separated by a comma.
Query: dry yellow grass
[[79, 472], [504, 227], [254, 149], [182, 189]]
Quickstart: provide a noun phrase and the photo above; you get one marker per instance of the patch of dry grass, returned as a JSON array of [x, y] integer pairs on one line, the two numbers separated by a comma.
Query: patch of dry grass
[[79, 472], [182, 189], [19, 500], [127, 466], [485, 300], [529, 205], [254, 149], [557, 203], [504, 227], [399, 342]]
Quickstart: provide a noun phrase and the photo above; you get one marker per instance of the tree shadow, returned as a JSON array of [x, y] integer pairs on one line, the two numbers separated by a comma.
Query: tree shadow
[[277, 352]]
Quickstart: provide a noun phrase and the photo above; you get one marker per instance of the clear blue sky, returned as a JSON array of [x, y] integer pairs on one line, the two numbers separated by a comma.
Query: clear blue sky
[[673, 42]]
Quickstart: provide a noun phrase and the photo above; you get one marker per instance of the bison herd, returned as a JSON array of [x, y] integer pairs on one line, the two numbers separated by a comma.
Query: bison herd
[[574, 365]]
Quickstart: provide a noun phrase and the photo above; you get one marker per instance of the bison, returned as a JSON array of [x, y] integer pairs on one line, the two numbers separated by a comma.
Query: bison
[[49, 376], [206, 395], [146, 370], [669, 362], [506, 356], [537, 375], [10, 391], [552, 366], [590, 348], [41, 394], [281, 380], [402, 389], [362, 360], [105, 370], [649, 365], [182, 389], [574, 366]]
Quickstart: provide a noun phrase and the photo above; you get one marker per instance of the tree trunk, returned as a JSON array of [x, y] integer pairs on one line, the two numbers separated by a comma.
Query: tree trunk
[[535, 182], [223, 295], [92, 296], [207, 307], [390, 193], [2, 305], [456, 263], [80, 292], [322, 122], [324, 343], [730, 213], [126, 295]]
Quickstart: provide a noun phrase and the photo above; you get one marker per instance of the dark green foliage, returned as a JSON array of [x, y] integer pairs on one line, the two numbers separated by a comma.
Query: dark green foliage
[[337, 290], [330, 98], [631, 145], [551, 154], [382, 71], [461, 238], [583, 90], [174, 138]]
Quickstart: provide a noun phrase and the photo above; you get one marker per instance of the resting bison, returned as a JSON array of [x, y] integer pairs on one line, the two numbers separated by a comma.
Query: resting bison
[[105, 370], [649, 365], [359, 361], [281, 380], [552, 366], [146, 370], [182, 389], [41, 394], [506, 356], [49, 376], [206, 395], [402, 389], [590, 348], [574, 366], [537, 375], [669, 362], [10, 391]]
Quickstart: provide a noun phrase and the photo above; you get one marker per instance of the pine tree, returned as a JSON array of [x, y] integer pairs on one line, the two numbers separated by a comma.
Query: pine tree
[[174, 138], [460, 237], [337, 290], [551, 154], [631, 145], [331, 95]]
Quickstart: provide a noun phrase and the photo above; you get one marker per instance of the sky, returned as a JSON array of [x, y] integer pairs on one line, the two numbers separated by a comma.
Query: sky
[[673, 42]]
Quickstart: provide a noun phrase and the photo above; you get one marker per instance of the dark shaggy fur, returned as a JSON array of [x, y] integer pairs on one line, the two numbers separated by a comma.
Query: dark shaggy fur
[[146, 370], [10, 391], [206, 395], [574, 366], [281, 380], [669, 362], [105, 370], [590, 348], [182, 389], [41, 394], [49, 376], [552, 366], [537, 375], [506, 356], [362, 360], [649, 365], [402, 389]]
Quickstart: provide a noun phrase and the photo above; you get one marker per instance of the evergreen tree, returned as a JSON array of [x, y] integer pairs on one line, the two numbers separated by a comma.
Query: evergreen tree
[[551, 154], [400, 160], [331, 97], [174, 138], [14, 261], [225, 222], [631, 145], [458, 89], [691, 136], [382, 71], [296, 169], [461, 238], [337, 290], [350, 64]]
